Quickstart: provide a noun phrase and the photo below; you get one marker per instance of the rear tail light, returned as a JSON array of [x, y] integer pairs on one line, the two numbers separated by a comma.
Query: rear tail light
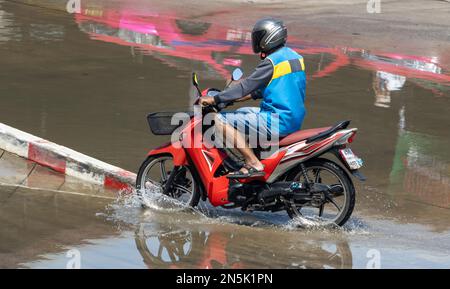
[[348, 138]]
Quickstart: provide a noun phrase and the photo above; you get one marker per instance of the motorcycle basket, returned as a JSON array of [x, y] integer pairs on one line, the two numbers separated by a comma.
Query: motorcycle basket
[[161, 122]]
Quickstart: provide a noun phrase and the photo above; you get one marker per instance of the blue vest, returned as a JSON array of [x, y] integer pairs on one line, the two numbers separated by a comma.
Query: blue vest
[[285, 94]]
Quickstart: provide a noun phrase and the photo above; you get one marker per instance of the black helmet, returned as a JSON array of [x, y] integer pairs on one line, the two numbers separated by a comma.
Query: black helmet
[[268, 34]]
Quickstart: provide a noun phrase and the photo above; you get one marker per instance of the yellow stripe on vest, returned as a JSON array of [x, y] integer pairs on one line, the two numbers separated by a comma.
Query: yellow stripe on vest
[[281, 69], [284, 68], [302, 64]]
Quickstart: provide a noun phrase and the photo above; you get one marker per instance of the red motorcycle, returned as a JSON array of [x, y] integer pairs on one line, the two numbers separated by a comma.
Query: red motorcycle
[[298, 179]]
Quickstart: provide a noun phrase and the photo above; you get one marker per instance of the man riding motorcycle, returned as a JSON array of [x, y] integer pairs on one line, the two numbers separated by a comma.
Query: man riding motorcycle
[[279, 80]]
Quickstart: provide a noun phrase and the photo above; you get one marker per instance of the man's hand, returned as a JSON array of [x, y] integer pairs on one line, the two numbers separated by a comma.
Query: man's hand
[[206, 100]]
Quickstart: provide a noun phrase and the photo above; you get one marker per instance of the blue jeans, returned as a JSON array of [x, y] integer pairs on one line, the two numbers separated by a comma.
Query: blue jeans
[[251, 122]]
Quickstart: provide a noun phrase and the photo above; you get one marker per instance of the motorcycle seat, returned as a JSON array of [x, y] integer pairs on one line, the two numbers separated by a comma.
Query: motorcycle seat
[[301, 135], [313, 134]]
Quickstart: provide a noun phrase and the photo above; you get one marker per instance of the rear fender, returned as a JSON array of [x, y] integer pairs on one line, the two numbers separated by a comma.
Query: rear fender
[[175, 150], [335, 151], [356, 173], [294, 170]]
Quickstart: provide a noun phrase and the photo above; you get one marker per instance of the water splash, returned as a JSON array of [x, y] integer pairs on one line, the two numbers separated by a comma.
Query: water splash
[[354, 226], [146, 206], [135, 207], [152, 198]]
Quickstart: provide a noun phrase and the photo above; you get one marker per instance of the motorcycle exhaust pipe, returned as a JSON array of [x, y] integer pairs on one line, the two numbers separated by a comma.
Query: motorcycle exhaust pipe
[[281, 189], [296, 190]]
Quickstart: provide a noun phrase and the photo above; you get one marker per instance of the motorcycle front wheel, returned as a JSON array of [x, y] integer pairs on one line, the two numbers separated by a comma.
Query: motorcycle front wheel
[[334, 207], [154, 173]]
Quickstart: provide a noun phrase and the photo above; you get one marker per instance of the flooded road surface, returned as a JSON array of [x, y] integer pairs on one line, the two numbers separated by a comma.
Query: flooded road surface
[[87, 81], [48, 231], [39, 222]]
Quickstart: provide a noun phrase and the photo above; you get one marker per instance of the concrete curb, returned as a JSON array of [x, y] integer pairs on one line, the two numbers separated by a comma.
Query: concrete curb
[[64, 160]]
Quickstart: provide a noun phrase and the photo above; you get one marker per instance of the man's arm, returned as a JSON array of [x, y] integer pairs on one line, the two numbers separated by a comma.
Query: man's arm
[[245, 98], [259, 78]]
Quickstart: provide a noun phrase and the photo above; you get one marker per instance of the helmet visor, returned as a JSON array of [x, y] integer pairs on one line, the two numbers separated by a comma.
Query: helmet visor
[[256, 40]]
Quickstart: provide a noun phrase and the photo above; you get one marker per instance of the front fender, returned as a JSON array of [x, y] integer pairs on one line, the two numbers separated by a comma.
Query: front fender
[[175, 150]]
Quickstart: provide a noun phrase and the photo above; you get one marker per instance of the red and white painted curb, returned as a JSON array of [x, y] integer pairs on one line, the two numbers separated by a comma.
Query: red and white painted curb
[[63, 159]]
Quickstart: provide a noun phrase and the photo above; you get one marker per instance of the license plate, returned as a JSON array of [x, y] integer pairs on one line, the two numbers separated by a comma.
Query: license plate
[[353, 161]]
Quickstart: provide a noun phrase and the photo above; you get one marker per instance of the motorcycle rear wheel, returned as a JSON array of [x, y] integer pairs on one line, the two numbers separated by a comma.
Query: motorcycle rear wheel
[[153, 175], [340, 206]]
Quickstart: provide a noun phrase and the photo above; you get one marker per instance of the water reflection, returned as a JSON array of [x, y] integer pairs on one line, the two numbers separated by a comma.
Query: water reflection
[[178, 247], [38, 222], [392, 70], [8, 31], [383, 84], [46, 32], [173, 41], [420, 167], [181, 42]]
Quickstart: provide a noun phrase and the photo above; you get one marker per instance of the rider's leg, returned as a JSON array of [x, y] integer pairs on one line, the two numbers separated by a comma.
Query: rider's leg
[[236, 139]]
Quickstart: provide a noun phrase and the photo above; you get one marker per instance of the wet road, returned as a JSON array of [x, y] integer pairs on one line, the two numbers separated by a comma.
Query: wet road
[[44, 230], [87, 81]]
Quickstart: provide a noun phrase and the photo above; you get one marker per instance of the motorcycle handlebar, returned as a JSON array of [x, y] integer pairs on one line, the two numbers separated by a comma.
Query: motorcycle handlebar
[[216, 107]]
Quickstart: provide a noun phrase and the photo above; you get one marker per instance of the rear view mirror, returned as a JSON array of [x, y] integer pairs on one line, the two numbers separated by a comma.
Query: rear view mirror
[[194, 79], [195, 83], [237, 74]]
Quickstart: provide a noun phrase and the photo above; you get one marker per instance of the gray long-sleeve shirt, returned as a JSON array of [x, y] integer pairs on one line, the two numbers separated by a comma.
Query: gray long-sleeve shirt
[[253, 84]]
